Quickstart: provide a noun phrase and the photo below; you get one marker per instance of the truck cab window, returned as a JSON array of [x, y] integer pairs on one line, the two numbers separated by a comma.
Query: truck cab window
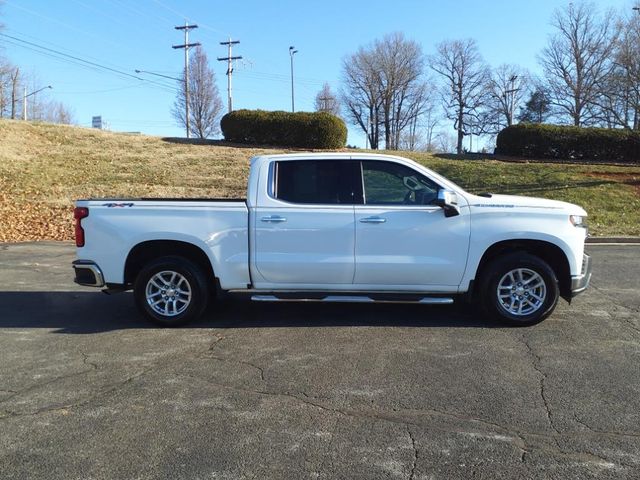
[[388, 183], [325, 182]]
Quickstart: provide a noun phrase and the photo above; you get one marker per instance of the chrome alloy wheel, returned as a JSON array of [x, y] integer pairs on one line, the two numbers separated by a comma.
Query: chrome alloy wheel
[[521, 292], [168, 293]]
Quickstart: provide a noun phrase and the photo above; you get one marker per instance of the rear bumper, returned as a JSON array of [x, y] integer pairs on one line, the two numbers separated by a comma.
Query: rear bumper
[[88, 273], [579, 283]]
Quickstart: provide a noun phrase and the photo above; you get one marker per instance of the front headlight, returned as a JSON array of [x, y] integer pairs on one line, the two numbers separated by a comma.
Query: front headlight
[[578, 220]]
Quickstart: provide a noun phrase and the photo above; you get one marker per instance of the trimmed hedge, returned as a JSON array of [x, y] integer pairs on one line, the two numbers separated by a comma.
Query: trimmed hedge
[[569, 143], [285, 129]]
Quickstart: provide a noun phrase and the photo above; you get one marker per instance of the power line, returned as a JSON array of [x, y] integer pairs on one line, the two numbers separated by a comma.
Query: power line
[[50, 44], [99, 12], [66, 25], [311, 82], [91, 92], [176, 12], [126, 6], [84, 61]]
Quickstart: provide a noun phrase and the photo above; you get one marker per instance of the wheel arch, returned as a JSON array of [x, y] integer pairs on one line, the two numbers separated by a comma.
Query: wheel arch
[[146, 251], [547, 251]]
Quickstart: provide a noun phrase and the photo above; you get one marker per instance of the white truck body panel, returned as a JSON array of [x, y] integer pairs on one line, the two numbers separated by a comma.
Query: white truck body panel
[[267, 244], [415, 246], [311, 245], [114, 228]]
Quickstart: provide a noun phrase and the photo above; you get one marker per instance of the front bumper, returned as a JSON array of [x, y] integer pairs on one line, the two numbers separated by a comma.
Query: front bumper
[[88, 273], [579, 283]]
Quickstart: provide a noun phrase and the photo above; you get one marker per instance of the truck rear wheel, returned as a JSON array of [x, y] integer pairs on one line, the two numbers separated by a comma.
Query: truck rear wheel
[[171, 291], [519, 289]]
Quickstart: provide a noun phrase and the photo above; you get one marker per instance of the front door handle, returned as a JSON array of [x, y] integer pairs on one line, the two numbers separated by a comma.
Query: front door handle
[[274, 219], [373, 220]]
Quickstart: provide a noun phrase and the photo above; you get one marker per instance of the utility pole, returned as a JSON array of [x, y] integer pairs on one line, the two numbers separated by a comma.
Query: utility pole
[[292, 52], [186, 47], [325, 103], [512, 97], [229, 59]]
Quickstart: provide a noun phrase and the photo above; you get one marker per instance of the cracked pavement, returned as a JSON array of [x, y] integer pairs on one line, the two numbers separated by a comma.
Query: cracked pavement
[[90, 390]]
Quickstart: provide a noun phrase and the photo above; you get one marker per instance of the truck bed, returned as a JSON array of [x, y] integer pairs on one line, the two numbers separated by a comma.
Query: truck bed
[[218, 226], [162, 199]]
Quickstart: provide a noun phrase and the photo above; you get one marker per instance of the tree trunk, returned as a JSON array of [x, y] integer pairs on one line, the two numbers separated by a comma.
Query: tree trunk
[[387, 129], [460, 132], [14, 92]]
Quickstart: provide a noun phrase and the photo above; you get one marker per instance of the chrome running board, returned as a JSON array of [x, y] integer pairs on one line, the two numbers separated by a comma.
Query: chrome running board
[[353, 299]]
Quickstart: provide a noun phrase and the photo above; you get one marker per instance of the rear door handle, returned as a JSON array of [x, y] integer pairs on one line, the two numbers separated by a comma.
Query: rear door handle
[[273, 219], [373, 220]]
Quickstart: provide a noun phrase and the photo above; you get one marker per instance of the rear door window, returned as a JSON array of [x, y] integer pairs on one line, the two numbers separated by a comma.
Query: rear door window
[[323, 182]]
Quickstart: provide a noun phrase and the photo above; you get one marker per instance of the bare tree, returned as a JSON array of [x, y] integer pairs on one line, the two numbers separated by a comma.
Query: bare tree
[[621, 92], [420, 133], [205, 104], [326, 101], [445, 143], [464, 89], [507, 87], [577, 60], [15, 86], [361, 93], [58, 112], [383, 88], [5, 88], [43, 109], [432, 118], [403, 90]]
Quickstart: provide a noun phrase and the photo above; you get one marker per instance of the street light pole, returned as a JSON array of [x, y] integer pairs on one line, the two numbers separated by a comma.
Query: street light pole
[[292, 52], [24, 99]]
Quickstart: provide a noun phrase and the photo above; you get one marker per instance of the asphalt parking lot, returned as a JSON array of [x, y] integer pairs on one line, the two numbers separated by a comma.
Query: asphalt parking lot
[[282, 391]]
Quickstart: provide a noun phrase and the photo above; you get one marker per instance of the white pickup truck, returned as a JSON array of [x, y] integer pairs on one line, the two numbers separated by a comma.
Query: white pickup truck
[[337, 227]]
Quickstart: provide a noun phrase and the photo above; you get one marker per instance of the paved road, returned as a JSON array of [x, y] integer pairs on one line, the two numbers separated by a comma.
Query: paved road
[[88, 390]]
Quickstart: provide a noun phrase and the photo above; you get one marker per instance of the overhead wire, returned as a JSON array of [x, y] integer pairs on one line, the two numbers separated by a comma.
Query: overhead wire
[[186, 17], [85, 62], [99, 12], [137, 12], [66, 25], [64, 49], [91, 92]]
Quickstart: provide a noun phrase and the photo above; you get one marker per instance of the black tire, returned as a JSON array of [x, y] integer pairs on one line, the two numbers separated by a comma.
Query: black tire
[[183, 308], [514, 296]]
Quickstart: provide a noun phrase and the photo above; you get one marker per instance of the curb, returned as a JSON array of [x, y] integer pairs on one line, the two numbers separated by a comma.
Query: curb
[[596, 240]]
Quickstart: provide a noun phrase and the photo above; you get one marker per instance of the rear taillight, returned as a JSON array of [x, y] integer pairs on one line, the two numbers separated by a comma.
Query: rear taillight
[[79, 213]]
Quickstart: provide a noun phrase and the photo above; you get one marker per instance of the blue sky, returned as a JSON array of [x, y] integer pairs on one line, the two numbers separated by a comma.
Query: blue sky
[[128, 35]]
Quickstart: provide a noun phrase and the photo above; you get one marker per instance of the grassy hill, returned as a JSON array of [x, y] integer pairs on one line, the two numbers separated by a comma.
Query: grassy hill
[[44, 168]]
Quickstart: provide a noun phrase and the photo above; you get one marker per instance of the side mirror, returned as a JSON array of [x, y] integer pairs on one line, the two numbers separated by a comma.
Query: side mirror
[[448, 200]]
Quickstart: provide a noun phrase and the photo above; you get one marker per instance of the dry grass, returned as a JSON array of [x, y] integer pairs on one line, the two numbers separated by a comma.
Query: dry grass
[[44, 168]]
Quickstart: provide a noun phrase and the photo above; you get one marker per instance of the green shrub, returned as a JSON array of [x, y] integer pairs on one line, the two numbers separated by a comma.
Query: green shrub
[[300, 129], [569, 143]]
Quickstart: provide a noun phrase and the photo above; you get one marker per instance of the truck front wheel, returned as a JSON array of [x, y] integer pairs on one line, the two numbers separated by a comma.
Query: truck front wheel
[[171, 291], [519, 289]]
